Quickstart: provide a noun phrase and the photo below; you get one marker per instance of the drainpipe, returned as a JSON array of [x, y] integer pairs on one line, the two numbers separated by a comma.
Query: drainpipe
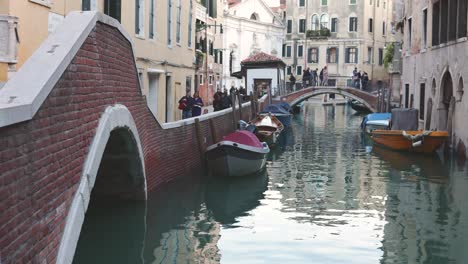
[[373, 41]]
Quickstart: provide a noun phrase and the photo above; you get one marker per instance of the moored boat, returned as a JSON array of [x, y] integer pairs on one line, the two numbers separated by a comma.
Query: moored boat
[[268, 128], [279, 112], [358, 106], [239, 154], [376, 121], [412, 141]]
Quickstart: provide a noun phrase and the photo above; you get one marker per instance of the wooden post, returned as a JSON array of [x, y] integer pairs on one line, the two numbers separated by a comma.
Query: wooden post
[[214, 136], [233, 101], [240, 105], [201, 145], [252, 106]]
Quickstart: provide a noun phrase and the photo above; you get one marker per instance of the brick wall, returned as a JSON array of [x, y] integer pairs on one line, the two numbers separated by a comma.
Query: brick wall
[[41, 160]]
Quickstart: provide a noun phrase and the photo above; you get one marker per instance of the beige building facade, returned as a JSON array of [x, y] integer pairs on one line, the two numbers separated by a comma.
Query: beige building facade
[[340, 34], [163, 36], [435, 68]]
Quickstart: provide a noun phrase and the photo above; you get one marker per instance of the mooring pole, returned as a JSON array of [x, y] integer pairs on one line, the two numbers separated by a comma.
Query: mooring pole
[[233, 104], [214, 136], [240, 105]]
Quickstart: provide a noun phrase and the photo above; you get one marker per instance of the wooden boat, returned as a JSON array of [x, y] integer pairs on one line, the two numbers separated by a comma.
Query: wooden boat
[[268, 128], [358, 106], [279, 112], [376, 121], [412, 141], [238, 154]]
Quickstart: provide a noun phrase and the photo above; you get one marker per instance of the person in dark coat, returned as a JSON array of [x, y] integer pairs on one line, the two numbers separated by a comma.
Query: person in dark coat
[[186, 104], [292, 80], [321, 76], [225, 100], [197, 105], [305, 77], [365, 81], [217, 100]]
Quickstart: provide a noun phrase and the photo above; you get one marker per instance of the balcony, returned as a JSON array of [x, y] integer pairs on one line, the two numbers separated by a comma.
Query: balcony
[[322, 33], [8, 39]]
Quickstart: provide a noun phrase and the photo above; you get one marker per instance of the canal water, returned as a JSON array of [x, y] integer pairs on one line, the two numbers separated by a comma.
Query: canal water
[[326, 196]]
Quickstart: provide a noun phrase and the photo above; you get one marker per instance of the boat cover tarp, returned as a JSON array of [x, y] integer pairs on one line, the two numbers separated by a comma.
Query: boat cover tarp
[[285, 106], [244, 137], [405, 119], [274, 109], [375, 116]]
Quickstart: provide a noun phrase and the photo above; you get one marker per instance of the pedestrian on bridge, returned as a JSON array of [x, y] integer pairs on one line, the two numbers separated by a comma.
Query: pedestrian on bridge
[[292, 81], [325, 76]]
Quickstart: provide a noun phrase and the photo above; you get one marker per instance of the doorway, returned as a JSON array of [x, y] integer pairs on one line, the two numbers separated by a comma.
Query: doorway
[[262, 86], [169, 99], [153, 93], [445, 98]]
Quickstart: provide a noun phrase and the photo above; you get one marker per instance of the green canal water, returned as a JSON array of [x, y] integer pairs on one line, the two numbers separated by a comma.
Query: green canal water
[[324, 198]]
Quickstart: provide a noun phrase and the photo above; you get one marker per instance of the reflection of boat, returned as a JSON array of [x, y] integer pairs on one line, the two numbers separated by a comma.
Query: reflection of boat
[[376, 121], [279, 112], [358, 106], [412, 141], [430, 165], [238, 154], [268, 128], [229, 199]]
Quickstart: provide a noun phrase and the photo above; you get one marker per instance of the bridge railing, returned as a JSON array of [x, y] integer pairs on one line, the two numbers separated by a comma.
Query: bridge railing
[[333, 81]]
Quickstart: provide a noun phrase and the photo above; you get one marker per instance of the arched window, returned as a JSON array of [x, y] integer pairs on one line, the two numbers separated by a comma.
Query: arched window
[[315, 22], [254, 16], [460, 89], [324, 21], [447, 89]]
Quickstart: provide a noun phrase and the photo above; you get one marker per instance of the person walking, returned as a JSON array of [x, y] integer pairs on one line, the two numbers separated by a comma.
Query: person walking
[[315, 77], [225, 100], [197, 105], [321, 77], [217, 100], [325, 76], [355, 78], [365, 81], [186, 104], [305, 78], [292, 81]]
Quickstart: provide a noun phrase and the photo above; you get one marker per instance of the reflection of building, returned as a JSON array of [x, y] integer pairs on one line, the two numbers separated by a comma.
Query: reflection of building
[[250, 27], [435, 66], [162, 31], [339, 34], [196, 242]]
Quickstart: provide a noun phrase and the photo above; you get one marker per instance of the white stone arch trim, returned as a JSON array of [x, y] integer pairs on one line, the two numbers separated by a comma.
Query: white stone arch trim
[[114, 117], [312, 21], [329, 91]]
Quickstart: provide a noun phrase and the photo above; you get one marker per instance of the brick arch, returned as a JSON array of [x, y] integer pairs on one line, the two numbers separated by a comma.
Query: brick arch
[[114, 117], [316, 92]]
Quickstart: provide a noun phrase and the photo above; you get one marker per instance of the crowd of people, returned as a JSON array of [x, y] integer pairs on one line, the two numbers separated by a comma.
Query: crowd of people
[[360, 79], [192, 106]]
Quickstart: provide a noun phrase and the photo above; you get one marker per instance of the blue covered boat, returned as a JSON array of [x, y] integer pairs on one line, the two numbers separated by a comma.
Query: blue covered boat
[[285, 106], [379, 121], [279, 112]]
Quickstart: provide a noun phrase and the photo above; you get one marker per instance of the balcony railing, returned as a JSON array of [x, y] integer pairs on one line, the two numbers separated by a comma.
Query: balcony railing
[[317, 34]]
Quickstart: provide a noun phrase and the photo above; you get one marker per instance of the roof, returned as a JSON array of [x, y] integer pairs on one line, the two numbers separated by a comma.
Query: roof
[[262, 58]]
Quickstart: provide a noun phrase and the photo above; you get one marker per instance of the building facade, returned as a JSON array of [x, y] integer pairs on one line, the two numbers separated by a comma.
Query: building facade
[[163, 34], [435, 68], [251, 27], [340, 34]]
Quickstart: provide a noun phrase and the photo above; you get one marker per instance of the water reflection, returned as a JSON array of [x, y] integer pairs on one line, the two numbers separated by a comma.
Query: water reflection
[[322, 199]]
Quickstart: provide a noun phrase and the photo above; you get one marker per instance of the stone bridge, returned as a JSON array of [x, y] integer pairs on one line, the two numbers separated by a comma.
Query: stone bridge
[[368, 99], [74, 122]]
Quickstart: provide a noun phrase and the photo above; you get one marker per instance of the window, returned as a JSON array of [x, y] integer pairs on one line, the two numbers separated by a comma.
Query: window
[[201, 79], [334, 24], [288, 70], [380, 57], [139, 17], [384, 4], [452, 23], [410, 30], [88, 5], [332, 55], [462, 18], [352, 2], [190, 25], [151, 19], [422, 99], [406, 95], [289, 29], [299, 70], [288, 51], [323, 2], [301, 3], [315, 22], [369, 55], [302, 25], [443, 21], [253, 16], [378, 3], [424, 31], [370, 26], [210, 80], [300, 50], [283, 50], [435, 24], [179, 11], [383, 28], [353, 24], [324, 21], [312, 56], [112, 8], [169, 22], [210, 48], [220, 57], [351, 55]]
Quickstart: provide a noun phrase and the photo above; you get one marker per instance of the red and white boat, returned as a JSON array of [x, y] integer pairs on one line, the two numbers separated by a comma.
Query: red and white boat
[[238, 154]]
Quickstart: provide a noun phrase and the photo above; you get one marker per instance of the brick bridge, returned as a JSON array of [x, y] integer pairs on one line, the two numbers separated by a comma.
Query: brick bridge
[[74, 122], [369, 100]]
